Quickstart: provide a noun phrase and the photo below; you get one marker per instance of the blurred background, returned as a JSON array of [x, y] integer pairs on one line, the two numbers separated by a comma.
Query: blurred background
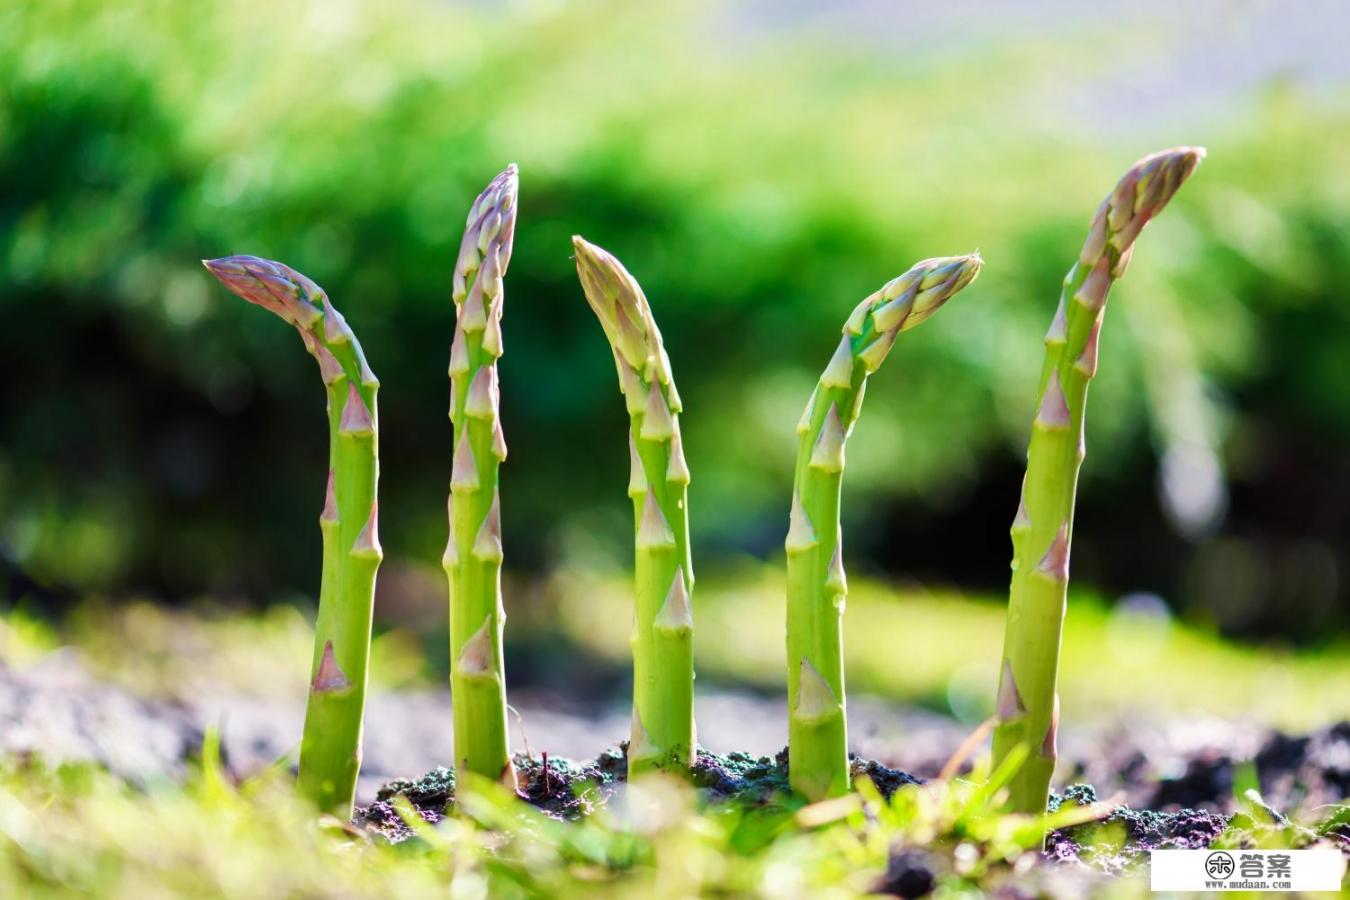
[[759, 167]]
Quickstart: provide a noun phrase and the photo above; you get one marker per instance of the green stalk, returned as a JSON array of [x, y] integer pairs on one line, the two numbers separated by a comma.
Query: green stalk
[[330, 749], [663, 627], [1042, 532], [817, 727], [473, 554]]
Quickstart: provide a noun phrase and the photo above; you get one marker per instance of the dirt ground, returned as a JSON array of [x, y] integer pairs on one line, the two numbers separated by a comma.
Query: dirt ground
[[58, 710]]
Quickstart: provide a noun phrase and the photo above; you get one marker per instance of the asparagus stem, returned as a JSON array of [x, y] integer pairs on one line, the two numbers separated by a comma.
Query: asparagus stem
[[817, 729], [1042, 531], [473, 554], [330, 749], [663, 665]]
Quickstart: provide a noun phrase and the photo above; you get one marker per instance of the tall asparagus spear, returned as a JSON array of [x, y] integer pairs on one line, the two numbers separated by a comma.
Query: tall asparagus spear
[[330, 749], [817, 731], [473, 554], [1028, 702], [663, 665]]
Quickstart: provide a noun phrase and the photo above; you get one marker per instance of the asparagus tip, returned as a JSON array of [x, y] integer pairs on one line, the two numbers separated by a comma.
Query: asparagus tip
[[618, 302], [225, 265], [914, 296], [274, 286], [499, 196], [488, 238], [1141, 194]]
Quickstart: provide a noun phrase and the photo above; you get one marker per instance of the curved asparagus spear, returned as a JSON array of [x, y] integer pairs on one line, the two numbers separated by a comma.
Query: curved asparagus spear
[[330, 749], [473, 554], [817, 731], [663, 665], [1028, 702]]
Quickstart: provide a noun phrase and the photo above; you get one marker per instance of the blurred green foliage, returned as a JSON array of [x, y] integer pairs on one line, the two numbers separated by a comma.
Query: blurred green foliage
[[759, 182]]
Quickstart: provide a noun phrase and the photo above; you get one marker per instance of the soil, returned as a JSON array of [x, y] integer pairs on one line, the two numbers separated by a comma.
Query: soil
[[1125, 836], [1116, 843], [569, 790], [1171, 782]]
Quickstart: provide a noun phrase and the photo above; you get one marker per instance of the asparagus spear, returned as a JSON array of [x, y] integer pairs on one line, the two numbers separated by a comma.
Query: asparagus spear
[[817, 731], [473, 554], [1028, 702], [663, 667], [330, 749]]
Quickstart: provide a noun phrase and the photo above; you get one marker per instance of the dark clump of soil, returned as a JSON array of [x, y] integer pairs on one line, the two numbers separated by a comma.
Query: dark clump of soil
[[752, 779], [381, 817], [910, 873], [1313, 767], [567, 790], [433, 791], [886, 779], [1125, 836], [560, 787], [757, 780], [1208, 779], [1301, 770]]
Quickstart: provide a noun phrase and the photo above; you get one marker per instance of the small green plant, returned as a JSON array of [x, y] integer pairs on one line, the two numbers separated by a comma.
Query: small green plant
[[1027, 706], [663, 626], [330, 748], [817, 727], [473, 554]]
